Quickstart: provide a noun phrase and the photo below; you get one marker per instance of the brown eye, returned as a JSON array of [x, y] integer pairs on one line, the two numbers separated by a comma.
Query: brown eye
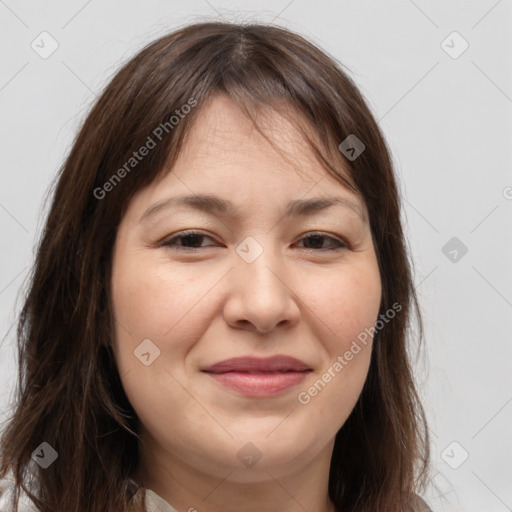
[[189, 239], [317, 242]]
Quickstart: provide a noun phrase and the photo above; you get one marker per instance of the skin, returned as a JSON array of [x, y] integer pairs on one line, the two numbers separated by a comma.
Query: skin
[[200, 307]]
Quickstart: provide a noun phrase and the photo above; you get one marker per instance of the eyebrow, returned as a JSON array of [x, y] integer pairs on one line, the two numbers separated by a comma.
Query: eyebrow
[[216, 205]]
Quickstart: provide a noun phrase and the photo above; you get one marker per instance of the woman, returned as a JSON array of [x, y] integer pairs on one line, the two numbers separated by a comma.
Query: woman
[[263, 370]]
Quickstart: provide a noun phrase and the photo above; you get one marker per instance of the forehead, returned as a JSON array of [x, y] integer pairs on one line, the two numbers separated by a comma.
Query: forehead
[[263, 165], [223, 138]]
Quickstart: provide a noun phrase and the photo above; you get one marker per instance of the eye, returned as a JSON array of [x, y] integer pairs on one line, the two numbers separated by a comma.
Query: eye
[[190, 239], [318, 238]]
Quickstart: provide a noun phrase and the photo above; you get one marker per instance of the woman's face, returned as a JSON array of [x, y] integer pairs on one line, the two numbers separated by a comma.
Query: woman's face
[[253, 282]]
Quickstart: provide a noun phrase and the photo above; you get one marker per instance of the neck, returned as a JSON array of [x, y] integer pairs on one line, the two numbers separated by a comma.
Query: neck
[[191, 488]]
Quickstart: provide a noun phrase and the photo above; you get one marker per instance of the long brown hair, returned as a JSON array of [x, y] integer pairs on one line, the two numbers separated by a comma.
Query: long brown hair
[[69, 391]]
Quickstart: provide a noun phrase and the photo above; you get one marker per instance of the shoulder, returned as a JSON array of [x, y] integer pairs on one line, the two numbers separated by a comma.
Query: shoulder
[[418, 504], [150, 500], [6, 495], [140, 498]]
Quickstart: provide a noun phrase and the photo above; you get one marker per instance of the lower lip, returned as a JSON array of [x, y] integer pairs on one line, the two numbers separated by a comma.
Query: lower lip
[[259, 384]]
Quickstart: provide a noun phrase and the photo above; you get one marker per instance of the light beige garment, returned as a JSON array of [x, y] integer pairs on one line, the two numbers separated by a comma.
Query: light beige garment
[[154, 502]]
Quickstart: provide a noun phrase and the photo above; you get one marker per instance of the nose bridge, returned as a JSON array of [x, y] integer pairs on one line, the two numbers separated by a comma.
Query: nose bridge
[[258, 263], [260, 293]]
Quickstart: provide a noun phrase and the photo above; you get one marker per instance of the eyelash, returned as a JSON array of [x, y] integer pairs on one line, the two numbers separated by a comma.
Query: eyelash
[[171, 242]]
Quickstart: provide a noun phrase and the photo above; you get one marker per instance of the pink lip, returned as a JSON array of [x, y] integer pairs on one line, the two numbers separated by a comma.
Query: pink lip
[[253, 376], [258, 364], [259, 384]]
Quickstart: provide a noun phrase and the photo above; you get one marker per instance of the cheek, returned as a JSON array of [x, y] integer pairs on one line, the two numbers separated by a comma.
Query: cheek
[[345, 305], [155, 301], [167, 304], [151, 299], [346, 309]]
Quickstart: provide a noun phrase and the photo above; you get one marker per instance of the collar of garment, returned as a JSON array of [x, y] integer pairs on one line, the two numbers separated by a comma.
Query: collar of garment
[[155, 503], [152, 501]]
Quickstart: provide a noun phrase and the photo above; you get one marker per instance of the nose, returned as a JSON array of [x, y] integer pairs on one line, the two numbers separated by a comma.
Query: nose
[[261, 293]]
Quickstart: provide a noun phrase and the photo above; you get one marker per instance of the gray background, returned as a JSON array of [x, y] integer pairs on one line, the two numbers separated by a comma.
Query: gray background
[[448, 121]]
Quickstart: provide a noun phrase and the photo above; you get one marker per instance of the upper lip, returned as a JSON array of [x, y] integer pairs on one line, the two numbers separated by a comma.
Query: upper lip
[[258, 364]]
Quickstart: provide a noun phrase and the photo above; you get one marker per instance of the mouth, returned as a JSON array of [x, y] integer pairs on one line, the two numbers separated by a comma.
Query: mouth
[[259, 377]]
